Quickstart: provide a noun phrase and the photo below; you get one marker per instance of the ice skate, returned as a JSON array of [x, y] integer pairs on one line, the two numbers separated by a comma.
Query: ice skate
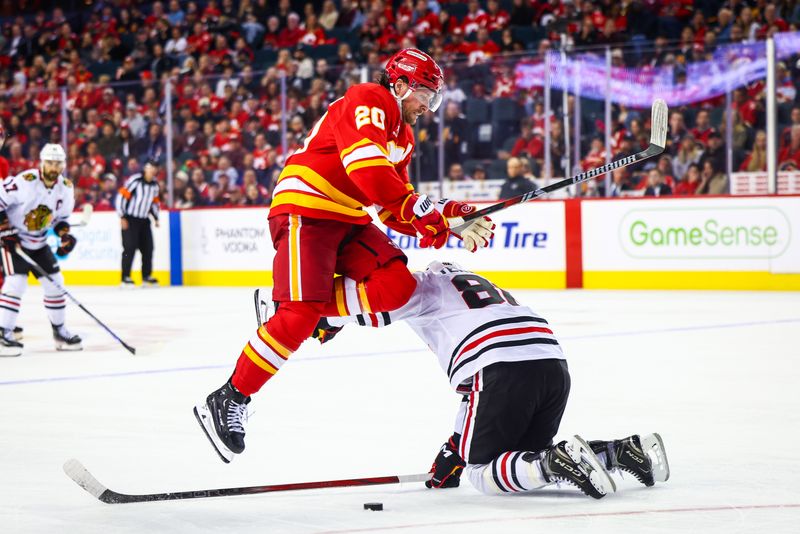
[[149, 282], [574, 462], [65, 340], [653, 446], [222, 419], [18, 333], [127, 282], [8, 345], [644, 458]]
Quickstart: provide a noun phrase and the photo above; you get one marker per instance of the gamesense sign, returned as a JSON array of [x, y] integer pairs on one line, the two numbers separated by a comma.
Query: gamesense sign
[[694, 233]]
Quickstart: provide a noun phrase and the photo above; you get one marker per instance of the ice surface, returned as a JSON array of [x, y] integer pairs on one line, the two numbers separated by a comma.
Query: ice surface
[[716, 373]]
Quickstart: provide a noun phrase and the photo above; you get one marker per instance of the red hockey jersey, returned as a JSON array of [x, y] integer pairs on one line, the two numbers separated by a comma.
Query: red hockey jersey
[[356, 155]]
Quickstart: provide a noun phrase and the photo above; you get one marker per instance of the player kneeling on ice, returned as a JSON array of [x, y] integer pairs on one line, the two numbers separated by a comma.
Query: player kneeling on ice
[[30, 204], [507, 363]]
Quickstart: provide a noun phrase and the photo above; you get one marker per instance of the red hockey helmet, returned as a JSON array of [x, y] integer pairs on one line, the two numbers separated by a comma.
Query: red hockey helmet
[[420, 70]]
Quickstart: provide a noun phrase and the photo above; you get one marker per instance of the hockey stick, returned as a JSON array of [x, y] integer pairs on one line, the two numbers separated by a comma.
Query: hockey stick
[[658, 141], [83, 218], [41, 272], [77, 472]]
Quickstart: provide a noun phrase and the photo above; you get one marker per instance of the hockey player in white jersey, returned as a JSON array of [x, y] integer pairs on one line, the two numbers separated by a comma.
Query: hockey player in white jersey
[[30, 204], [506, 361]]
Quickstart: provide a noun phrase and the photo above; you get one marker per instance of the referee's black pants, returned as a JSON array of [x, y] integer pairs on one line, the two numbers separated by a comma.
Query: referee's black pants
[[138, 236]]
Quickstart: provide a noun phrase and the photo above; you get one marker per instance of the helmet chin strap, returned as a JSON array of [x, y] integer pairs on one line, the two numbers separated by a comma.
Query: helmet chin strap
[[398, 98]]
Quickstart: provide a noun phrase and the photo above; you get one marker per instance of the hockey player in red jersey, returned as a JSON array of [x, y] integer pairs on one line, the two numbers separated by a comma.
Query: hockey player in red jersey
[[355, 156], [506, 361]]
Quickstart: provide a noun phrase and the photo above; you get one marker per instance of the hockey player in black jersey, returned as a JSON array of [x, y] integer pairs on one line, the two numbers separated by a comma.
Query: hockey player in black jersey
[[508, 365]]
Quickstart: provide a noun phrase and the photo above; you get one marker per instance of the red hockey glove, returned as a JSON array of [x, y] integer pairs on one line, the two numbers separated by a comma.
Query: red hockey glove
[[454, 208], [418, 210], [447, 466]]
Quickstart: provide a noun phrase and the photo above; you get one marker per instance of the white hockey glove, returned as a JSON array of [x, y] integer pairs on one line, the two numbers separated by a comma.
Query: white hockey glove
[[476, 234]]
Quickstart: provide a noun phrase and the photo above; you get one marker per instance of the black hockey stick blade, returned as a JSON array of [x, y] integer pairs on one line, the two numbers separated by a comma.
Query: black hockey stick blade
[[41, 272], [77, 472], [658, 141]]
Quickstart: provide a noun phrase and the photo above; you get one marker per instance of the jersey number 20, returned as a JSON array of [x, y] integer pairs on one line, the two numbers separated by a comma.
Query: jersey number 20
[[366, 115], [478, 292]]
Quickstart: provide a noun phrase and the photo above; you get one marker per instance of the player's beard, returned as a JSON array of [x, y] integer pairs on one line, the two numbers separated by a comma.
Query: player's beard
[[410, 117], [50, 177]]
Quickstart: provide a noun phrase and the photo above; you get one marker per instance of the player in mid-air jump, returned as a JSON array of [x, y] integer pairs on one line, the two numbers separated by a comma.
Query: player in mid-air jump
[[355, 156], [30, 204], [506, 361]]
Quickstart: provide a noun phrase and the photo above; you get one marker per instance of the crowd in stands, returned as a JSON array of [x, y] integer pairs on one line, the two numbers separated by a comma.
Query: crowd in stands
[[95, 74]]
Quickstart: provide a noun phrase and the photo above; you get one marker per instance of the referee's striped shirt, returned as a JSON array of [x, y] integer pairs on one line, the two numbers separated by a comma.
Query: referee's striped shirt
[[138, 198]]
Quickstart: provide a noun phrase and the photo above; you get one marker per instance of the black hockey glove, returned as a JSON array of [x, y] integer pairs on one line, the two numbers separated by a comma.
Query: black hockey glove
[[447, 466], [61, 228], [68, 243], [324, 332], [9, 237]]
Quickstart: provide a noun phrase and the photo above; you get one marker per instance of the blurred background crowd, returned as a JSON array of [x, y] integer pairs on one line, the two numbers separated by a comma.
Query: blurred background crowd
[[248, 79]]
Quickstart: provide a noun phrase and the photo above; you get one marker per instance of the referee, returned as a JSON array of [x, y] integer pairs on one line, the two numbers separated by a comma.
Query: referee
[[137, 200]]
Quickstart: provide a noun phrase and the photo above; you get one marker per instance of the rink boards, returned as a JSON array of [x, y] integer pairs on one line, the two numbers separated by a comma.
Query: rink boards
[[692, 243]]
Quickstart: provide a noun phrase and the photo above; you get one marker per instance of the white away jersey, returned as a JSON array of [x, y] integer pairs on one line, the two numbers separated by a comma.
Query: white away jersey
[[33, 208], [470, 323]]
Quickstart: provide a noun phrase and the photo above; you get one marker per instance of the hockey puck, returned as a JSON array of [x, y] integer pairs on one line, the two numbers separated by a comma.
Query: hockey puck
[[374, 506]]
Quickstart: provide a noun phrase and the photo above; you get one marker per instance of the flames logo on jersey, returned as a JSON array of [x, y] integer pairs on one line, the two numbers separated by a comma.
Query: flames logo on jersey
[[38, 218]]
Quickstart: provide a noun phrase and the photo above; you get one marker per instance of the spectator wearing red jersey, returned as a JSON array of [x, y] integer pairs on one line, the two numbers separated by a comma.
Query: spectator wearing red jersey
[[474, 19], [424, 21], [528, 143], [690, 182], [702, 127], [746, 107], [272, 34], [16, 161], [108, 104], [313, 33], [771, 20], [292, 33], [496, 18], [457, 45], [96, 161], [596, 155], [484, 48], [199, 41], [504, 82]]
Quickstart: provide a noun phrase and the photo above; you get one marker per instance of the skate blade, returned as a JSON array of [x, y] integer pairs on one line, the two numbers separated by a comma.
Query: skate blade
[[599, 477], [653, 446], [204, 418], [69, 348], [10, 352]]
